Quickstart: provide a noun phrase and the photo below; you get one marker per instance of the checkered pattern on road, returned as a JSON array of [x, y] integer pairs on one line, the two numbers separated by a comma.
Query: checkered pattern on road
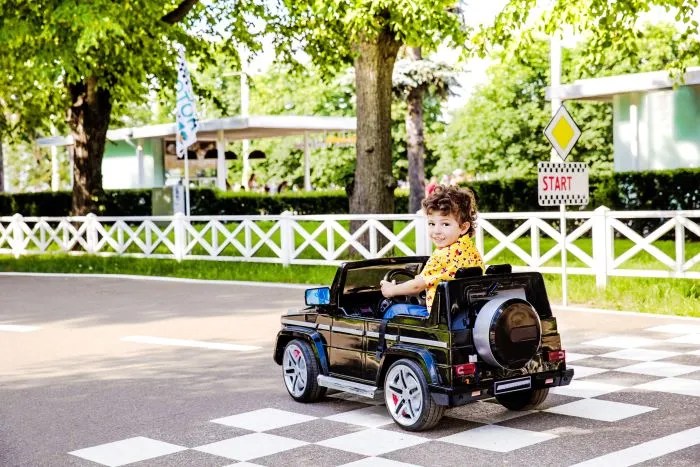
[[616, 378]]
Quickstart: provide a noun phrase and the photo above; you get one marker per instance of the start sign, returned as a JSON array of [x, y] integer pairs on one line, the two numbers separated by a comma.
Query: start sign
[[561, 183]]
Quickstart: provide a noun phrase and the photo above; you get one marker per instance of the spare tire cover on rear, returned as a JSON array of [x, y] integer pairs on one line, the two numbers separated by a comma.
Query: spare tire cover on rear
[[507, 332]]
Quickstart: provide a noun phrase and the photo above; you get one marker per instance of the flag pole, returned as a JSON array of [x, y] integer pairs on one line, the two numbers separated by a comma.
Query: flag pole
[[187, 185], [187, 123]]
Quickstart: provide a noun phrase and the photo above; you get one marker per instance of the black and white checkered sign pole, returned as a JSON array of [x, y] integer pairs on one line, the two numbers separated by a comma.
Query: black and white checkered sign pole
[[561, 184]]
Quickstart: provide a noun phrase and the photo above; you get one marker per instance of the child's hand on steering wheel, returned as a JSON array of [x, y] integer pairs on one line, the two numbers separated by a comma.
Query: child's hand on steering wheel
[[387, 287]]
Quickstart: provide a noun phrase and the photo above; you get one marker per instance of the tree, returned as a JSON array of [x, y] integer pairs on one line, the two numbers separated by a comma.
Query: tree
[[368, 35], [85, 60], [498, 133], [415, 79], [612, 27]]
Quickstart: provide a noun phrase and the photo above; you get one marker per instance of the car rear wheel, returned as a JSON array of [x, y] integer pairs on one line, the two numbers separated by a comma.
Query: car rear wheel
[[523, 400], [408, 399], [300, 370]]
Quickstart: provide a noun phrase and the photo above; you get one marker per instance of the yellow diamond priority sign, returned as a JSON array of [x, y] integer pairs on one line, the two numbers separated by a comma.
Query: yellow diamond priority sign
[[562, 132]]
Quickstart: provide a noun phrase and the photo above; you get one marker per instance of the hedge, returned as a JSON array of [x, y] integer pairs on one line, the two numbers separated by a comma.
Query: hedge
[[652, 190]]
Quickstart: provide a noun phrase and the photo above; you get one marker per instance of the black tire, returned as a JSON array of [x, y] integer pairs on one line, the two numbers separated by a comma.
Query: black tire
[[408, 398], [300, 371], [523, 400]]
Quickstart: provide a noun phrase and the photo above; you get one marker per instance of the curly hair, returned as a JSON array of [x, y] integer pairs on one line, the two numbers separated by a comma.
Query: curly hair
[[459, 202]]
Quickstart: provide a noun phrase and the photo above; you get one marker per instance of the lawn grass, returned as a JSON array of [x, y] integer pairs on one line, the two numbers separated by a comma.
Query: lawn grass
[[679, 297]]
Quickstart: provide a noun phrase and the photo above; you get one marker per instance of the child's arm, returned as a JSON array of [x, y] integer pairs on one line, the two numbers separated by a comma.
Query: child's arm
[[412, 287]]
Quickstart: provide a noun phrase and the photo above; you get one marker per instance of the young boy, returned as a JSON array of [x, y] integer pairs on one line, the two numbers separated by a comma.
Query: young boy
[[451, 215]]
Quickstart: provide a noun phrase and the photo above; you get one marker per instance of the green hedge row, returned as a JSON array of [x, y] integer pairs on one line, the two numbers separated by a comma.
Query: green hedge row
[[658, 190]]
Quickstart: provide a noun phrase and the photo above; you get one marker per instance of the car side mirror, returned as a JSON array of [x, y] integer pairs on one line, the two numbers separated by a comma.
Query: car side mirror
[[318, 296]]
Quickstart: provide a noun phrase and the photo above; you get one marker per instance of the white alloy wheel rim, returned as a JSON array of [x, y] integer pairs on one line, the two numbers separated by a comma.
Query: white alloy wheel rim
[[403, 395], [294, 365]]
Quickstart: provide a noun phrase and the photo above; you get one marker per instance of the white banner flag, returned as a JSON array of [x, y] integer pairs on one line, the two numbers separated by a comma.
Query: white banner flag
[[187, 123]]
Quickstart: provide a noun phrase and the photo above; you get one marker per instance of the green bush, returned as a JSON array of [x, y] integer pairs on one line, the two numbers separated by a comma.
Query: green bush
[[653, 190]]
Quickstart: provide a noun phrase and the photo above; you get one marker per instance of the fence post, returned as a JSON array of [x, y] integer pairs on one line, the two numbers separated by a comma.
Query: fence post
[[479, 238], [91, 233], [535, 245], [422, 240], [680, 245], [180, 235], [372, 239], [600, 244], [17, 236], [287, 238]]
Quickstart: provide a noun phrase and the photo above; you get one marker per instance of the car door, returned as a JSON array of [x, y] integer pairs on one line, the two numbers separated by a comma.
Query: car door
[[346, 357]]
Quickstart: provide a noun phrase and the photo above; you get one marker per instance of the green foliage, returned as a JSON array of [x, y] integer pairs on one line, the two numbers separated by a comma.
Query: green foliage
[[627, 191], [28, 167], [499, 132], [613, 27], [194, 269], [329, 31], [651, 295]]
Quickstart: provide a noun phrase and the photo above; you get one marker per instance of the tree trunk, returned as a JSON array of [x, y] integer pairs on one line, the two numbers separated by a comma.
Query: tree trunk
[[416, 142], [88, 117], [373, 188], [2, 171]]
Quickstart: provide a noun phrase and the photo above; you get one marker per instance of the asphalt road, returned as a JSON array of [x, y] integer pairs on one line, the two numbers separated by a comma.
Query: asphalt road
[[96, 362]]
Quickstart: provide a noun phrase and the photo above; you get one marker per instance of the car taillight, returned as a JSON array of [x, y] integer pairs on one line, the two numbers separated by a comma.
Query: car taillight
[[465, 369], [556, 355]]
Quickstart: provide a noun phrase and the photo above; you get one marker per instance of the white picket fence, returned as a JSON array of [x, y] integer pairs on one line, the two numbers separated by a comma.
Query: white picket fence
[[327, 239]]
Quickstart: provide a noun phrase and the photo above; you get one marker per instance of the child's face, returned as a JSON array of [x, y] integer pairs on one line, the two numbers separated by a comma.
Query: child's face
[[444, 229]]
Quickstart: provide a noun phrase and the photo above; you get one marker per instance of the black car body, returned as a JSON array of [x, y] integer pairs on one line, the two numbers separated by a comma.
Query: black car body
[[487, 335]]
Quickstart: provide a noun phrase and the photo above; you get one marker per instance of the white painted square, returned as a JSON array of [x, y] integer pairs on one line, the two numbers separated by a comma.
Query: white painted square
[[664, 369], [596, 409], [583, 371], [585, 389], [264, 419], [497, 438], [573, 356], [377, 462], [371, 417], [686, 387], [695, 352], [622, 342], [686, 339], [373, 442], [127, 451], [18, 328], [643, 355], [251, 446], [676, 328]]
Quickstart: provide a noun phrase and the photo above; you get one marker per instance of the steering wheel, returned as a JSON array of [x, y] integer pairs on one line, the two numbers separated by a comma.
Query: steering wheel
[[417, 299]]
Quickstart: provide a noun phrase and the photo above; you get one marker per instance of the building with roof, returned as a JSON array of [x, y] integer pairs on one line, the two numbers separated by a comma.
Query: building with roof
[[144, 157], [656, 121]]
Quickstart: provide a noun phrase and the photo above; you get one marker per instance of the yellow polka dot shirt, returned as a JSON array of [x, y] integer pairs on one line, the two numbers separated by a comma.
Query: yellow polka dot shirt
[[444, 263]]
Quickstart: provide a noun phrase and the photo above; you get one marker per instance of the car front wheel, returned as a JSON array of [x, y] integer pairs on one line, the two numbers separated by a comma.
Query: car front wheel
[[408, 399], [300, 370], [523, 400]]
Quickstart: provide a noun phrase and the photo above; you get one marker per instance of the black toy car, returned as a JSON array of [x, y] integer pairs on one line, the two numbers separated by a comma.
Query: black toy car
[[488, 335]]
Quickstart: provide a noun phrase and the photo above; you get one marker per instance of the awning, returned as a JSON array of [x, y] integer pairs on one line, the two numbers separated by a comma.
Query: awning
[[603, 89], [233, 128]]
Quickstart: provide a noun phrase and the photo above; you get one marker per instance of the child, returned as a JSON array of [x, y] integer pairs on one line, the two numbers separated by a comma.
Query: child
[[451, 215]]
